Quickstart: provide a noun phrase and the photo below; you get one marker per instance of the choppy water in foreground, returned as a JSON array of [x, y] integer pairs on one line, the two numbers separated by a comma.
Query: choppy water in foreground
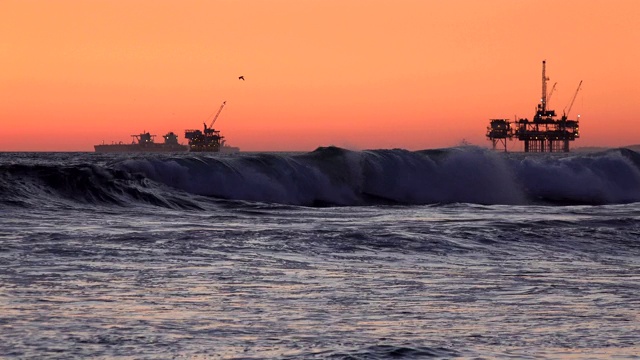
[[457, 253]]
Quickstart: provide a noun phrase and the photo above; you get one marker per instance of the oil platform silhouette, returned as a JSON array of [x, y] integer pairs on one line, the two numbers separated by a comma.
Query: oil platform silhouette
[[545, 133], [210, 139]]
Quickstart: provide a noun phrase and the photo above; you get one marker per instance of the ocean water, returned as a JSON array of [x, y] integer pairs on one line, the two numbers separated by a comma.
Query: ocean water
[[332, 254]]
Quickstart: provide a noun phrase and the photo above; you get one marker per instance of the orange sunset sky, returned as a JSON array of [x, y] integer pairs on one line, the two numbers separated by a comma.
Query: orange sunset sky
[[359, 74]]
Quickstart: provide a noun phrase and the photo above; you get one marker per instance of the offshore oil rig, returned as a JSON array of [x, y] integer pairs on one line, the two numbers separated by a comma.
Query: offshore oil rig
[[208, 140], [545, 132]]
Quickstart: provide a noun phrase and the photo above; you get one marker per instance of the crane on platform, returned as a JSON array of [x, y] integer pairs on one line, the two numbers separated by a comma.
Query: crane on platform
[[565, 114], [551, 92], [215, 117], [208, 140]]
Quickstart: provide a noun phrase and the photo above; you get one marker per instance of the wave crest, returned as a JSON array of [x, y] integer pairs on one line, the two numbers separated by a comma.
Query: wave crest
[[334, 176], [331, 176]]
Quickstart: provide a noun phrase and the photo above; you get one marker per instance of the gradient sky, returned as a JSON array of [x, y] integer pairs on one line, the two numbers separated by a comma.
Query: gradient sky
[[359, 74]]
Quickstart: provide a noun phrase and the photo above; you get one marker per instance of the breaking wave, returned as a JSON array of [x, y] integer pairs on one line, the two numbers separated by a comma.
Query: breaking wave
[[335, 176]]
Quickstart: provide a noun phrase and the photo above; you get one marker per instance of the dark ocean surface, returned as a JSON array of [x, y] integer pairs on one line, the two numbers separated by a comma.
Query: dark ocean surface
[[332, 254]]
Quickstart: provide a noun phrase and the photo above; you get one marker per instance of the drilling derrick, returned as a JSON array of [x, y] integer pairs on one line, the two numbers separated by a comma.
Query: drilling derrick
[[545, 133], [543, 98]]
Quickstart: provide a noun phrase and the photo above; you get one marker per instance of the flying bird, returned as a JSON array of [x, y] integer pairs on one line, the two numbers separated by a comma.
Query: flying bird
[[241, 78]]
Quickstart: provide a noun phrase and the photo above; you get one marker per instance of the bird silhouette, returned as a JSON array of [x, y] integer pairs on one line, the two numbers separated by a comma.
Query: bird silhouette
[[241, 78]]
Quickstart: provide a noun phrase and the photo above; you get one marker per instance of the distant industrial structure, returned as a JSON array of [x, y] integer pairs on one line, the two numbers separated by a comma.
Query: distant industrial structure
[[545, 132], [144, 142], [210, 139], [499, 131]]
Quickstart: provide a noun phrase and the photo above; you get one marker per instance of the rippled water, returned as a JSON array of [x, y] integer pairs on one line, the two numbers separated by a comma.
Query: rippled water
[[245, 280], [134, 258]]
